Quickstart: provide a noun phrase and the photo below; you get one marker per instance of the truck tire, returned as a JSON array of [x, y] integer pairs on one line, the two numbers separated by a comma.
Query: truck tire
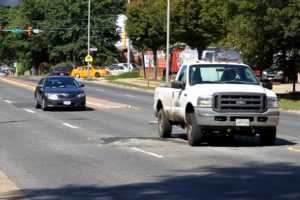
[[164, 125], [268, 136], [194, 133]]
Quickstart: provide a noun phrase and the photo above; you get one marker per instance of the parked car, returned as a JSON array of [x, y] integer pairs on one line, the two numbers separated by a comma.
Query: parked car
[[59, 91], [61, 70], [3, 72], [119, 69], [83, 71], [274, 74], [132, 66]]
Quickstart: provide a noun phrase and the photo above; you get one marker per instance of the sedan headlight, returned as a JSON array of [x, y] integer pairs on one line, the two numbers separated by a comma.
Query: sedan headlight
[[272, 102], [81, 95], [51, 96], [204, 101]]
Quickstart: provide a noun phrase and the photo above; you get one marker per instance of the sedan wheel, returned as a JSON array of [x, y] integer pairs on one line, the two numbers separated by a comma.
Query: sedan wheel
[[44, 106], [77, 75], [37, 105]]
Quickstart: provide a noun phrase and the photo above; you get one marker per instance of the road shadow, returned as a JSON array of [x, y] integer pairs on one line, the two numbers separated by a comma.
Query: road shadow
[[251, 181]]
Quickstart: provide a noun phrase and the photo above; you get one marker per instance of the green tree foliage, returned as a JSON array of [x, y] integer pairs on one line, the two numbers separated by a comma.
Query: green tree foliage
[[198, 23], [64, 25], [264, 29]]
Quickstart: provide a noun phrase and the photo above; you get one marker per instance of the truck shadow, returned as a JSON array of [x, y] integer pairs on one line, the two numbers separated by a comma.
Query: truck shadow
[[236, 141]]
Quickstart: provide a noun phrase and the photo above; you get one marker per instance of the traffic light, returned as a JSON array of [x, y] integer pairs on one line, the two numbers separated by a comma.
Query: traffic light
[[29, 31]]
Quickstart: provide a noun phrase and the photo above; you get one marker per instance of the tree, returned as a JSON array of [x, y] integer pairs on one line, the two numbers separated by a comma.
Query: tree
[[145, 25], [64, 26], [265, 29], [198, 23]]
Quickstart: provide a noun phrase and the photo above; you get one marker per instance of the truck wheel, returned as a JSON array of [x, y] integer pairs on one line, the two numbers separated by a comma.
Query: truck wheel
[[268, 136], [194, 134], [164, 125]]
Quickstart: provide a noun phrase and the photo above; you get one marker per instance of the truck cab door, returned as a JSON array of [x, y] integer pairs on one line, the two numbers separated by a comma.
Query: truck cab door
[[179, 95]]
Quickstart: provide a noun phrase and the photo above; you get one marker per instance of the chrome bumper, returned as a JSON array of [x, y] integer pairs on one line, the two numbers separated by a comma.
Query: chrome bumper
[[208, 117]]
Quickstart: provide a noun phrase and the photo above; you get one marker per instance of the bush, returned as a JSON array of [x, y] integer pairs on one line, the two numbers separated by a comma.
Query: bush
[[132, 74]]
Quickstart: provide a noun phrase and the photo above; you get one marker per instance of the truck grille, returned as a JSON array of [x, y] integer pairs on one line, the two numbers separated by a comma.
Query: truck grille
[[239, 102]]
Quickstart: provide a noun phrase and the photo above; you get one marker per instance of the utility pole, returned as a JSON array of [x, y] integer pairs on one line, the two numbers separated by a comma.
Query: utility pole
[[128, 47], [168, 42], [89, 31]]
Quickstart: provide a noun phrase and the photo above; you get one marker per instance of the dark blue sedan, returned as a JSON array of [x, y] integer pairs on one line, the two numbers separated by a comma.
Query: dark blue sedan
[[59, 91]]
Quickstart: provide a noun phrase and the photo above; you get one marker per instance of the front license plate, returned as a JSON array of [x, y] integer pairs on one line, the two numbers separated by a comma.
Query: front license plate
[[242, 122], [67, 103]]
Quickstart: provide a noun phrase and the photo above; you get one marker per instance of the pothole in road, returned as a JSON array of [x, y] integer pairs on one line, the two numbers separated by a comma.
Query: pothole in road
[[140, 141]]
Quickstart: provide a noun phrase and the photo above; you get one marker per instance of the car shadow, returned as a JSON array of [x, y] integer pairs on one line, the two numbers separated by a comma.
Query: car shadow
[[88, 109]]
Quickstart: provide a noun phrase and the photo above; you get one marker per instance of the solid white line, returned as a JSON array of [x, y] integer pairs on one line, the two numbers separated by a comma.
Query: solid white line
[[127, 95], [7, 101], [146, 152], [31, 111], [69, 125]]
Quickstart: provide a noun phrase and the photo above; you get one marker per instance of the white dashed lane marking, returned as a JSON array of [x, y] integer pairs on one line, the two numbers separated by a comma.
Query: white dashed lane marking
[[8, 101], [146, 152], [69, 125], [100, 90], [30, 111], [131, 96]]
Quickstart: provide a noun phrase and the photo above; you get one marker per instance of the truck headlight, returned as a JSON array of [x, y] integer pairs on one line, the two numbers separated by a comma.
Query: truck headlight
[[272, 102], [51, 96], [204, 101]]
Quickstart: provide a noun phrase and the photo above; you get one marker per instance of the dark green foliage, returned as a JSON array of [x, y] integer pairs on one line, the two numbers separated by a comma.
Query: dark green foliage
[[64, 36]]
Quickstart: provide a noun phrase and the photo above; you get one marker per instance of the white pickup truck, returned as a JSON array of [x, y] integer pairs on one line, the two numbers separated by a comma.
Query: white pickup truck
[[217, 98]]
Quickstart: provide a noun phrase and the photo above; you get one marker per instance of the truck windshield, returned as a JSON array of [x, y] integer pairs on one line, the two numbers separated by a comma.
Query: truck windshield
[[235, 74]]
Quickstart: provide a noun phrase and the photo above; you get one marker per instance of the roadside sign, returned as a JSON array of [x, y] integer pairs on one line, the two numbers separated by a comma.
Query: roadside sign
[[93, 49], [16, 30], [88, 58]]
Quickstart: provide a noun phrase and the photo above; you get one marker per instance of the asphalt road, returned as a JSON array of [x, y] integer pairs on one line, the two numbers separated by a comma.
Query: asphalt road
[[116, 154]]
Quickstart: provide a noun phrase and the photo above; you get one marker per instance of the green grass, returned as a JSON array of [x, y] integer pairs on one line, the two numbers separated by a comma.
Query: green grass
[[289, 101], [132, 74]]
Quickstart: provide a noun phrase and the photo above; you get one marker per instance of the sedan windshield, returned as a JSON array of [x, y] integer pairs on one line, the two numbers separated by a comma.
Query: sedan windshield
[[61, 83], [235, 74]]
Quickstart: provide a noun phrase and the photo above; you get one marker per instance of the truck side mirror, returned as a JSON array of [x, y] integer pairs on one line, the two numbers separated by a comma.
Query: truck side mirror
[[178, 85], [267, 85]]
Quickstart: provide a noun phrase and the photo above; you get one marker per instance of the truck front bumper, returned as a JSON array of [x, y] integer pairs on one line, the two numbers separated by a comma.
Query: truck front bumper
[[208, 117]]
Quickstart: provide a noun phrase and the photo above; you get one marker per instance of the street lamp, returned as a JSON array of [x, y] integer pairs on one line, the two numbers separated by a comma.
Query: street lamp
[[168, 41]]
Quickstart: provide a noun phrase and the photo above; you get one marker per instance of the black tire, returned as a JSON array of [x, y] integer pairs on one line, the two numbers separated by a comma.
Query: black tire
[[43, 106], [97, 75], [37, 105], [77, 75], [194, 133], [164, 125], [268, 136]]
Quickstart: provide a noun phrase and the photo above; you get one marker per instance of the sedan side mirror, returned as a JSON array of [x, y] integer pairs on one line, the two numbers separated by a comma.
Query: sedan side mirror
[[82, 85], [178, 85]]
